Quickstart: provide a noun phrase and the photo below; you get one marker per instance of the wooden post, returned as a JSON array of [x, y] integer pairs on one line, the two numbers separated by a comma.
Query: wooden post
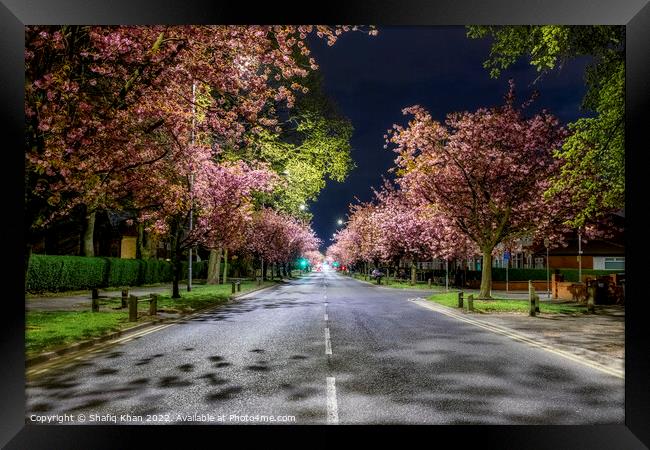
[[460, 299], [531, 299], [153, 305], [536, 303], [95, 304], [238, 286], [470, 302], [233, 287], [133, 308], [94, 293], [591, 297], [429, 282], [125, 297]]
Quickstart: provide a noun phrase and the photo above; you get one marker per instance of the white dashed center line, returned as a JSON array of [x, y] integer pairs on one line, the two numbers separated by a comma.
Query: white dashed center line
[[332, 407], [328, 344]]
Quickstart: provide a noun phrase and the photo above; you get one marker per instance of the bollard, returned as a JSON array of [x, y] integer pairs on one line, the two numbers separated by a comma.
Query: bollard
[[95, 304], [536, 303], [591, 297], [94, 293], [133, 308], [531, 299], [259, 281], [470, 302], [238, 286], [429, 282], [125, 297], [233, 286], [153, 305], [460, 299]]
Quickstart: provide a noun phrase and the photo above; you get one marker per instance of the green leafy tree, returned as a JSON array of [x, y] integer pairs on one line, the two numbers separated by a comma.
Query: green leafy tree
[[309, 147], [594, 155]]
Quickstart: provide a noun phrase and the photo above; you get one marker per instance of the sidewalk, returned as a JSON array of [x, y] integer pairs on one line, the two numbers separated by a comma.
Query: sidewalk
[[80, 302], [594, 338]]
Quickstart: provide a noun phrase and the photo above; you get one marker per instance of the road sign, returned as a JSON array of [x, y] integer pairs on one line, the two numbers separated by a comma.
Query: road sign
[[506, 256]]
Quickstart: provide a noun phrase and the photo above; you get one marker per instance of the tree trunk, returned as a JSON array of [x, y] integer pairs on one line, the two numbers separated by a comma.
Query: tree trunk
[[139, 245], [214, 266], [486, 275], [89, 232], [265, 266], [413, 273], [225, 266]]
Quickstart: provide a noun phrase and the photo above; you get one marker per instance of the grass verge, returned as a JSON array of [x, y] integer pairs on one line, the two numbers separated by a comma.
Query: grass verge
[[508, 305], [398, 284], [47, 330]]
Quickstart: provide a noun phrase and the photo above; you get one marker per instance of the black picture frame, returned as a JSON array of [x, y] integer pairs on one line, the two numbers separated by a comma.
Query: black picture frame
[[635, 14]]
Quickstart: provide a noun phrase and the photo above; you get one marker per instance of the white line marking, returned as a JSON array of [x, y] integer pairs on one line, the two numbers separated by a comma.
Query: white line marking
[[328, 344], [332, 407]]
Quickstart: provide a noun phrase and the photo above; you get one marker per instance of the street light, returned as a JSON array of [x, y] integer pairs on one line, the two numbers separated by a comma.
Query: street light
[[548, 288], [189, 266], [579, 257], [303, 207], [339, 222]]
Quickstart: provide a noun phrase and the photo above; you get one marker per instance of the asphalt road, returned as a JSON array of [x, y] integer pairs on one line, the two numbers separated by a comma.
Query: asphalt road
[[326, 349]]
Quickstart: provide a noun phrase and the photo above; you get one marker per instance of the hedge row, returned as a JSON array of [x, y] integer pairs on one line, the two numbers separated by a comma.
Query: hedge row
[[47, 273], [499, 274]]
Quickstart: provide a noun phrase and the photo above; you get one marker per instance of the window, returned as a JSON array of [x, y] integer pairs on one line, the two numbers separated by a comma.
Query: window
[[539, 263], [614, 263]]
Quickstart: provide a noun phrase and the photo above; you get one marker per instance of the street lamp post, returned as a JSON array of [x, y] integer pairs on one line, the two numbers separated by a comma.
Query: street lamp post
[[548, 285], [579, 257], [446, 275], [189, 266]]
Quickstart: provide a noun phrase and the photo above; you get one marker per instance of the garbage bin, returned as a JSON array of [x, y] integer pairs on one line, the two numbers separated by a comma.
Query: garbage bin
[[602, 291]]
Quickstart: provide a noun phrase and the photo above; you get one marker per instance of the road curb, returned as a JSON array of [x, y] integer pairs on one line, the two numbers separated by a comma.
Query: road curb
[[83, 345], [586, 358]]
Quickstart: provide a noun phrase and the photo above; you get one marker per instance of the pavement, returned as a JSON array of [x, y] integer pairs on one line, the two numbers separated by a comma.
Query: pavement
[[78, 302], [326, 349]]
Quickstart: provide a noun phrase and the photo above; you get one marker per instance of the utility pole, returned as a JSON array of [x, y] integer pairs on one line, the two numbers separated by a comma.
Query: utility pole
[[189, 266], [548, 285]]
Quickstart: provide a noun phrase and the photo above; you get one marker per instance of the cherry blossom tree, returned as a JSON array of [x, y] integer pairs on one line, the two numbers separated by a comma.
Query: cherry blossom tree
[[486, 171], [101, 102]]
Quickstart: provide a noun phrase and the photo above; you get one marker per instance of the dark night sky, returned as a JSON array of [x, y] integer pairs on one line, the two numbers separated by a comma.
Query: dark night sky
[[372, 78]]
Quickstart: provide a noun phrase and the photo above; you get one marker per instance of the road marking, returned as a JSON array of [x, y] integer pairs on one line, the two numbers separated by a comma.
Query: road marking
[[517, 337], [332, 407], [328, 344], [326, 318]]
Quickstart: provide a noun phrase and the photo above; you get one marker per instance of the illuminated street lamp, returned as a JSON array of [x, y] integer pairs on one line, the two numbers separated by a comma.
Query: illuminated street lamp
[[303, 207], [339, 222]]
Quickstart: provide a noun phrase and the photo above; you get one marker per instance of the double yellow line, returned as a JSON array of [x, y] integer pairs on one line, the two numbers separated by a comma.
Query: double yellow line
[[518, 337]]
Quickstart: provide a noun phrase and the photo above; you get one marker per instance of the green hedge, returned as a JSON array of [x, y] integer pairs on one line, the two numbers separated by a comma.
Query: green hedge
[[155, 271], [124, 272], [199, 269], [499, 274], [47, 273], [65, 273]]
